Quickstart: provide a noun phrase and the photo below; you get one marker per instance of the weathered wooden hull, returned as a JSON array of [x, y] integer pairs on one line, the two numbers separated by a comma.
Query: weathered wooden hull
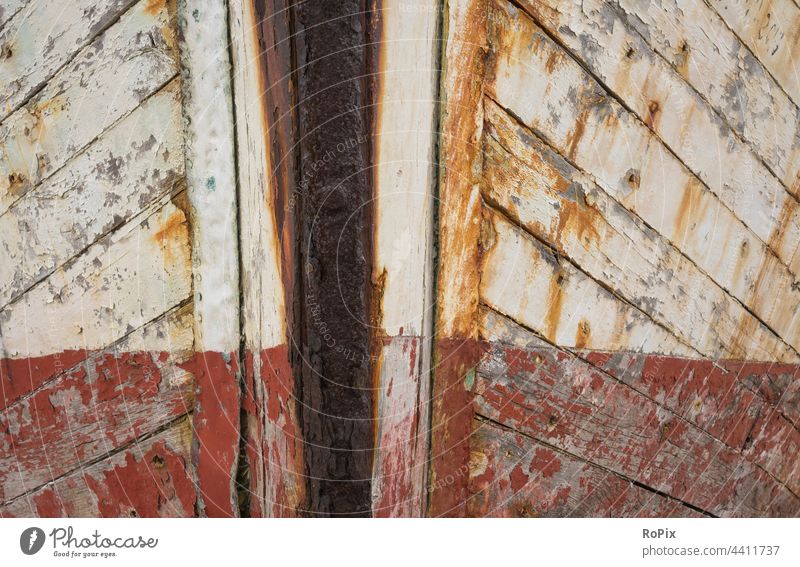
[[460, 258]]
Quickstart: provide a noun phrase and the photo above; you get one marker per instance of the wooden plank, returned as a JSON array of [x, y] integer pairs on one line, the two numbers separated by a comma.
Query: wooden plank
[[772, 31], [10, 8], [514, 476], [779, 384], [554, 96], [680, 117], [402, 266], [124, 170], [263, 314], [39, 42], [108, 401], [540, 190], [211, 190], [701, 47], [264, 136], [457, 278], [560, 400], [525, 281], [150, 478], [210, 173], [125, 279], [712, 395], [104, 82], [401, 448]]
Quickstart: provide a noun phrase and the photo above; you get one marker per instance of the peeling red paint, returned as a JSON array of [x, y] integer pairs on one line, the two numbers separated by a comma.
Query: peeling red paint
[[216, 426], [452, 423], [274, 448], [156, 484], [714, 435], [21, 376]]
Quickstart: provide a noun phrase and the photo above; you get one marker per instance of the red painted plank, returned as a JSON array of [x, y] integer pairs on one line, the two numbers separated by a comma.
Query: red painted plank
[[554, 397], [514, 476]]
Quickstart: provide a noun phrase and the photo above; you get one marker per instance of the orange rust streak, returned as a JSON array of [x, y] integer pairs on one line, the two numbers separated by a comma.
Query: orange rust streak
[[554, 306]]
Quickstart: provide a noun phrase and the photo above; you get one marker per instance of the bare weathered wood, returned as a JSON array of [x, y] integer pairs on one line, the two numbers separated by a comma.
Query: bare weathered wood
[[402, 267], [716, 396], [553, 95], [771, 29], [8, 9], [105, 81], [126, 168], [263, 315], [37, 43], [558, 205], [459, 219], [113, 398]]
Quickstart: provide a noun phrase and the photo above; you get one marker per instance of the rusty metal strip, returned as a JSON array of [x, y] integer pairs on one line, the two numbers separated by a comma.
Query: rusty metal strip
[[333, 70]]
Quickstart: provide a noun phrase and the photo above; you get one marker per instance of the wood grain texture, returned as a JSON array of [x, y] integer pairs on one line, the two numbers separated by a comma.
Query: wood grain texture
[[565, 209], [9, 8], [458, 233], [526, 281], [515, 476], [714, 61], [210, 173], [600, 39], [108, 401], [150, 478], [561, 400], [717, 396], [125, 279]]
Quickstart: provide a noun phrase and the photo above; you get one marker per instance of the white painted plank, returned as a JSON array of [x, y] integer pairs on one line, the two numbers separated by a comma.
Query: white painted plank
[[117, 176], [771, 29], [688, 125], [122, 281], [10, 8], [106, 80], [40, 41], [526, 282], [566, 209], [210, 173], [552, 94], [263, 313], [695, 40]]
